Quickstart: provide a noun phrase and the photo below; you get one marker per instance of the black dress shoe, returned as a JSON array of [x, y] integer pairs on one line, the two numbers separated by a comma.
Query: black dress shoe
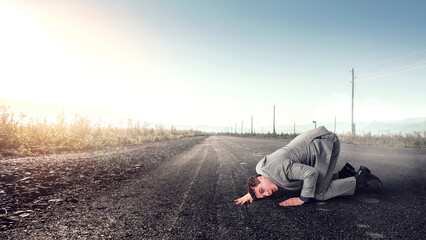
[[364, 168], [366, 180], [347, 171]]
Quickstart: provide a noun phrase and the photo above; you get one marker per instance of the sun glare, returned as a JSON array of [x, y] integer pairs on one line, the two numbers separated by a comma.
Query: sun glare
[[50, 56], [34, 66]]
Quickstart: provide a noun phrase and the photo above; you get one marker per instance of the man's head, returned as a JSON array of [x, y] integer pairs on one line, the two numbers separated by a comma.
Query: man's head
[[259, 186]]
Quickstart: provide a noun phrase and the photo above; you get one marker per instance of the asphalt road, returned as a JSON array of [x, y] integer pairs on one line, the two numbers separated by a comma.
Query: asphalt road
[[191, 197], [214, 173]]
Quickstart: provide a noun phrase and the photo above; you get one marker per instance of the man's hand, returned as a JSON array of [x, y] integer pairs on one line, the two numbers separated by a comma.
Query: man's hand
[[244, 199], [292, 202]]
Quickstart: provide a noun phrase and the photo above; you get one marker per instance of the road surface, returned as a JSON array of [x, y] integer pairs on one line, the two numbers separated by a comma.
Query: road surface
[[191, 197]]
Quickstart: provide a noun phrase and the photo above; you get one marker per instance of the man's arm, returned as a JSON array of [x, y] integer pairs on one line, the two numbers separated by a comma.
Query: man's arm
[[244, 199], [309, 176]]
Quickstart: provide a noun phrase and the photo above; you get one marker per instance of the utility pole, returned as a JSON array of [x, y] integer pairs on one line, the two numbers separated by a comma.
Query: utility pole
[[335, 118], [235, 128], [352, 122], [273, 124], [294, 129], [251, 124], [242, 128]]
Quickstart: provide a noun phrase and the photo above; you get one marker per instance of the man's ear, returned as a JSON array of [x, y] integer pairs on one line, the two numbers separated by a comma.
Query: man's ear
[[261, 178]]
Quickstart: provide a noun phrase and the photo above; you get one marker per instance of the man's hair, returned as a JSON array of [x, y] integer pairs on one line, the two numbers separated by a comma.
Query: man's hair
[[252, 182]]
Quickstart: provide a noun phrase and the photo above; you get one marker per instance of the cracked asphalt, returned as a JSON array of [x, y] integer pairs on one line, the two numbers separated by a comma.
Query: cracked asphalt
[[189, 195]]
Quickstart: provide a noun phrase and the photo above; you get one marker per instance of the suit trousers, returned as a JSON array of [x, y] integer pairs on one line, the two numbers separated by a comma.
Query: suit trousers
[[329, 187]]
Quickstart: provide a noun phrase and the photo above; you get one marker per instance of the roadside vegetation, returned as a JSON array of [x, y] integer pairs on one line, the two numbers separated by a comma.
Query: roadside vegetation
[[410, 140], [20, 136], [264, 135]]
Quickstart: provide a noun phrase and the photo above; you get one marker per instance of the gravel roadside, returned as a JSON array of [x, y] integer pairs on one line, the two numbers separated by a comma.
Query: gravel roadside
[[31, 187]]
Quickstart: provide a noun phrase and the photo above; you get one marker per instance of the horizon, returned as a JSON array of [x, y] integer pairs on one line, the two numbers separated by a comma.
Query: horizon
[[218, 63], [97, 116]]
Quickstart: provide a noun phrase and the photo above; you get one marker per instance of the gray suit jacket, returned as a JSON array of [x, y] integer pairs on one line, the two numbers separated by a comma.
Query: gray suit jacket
[[301, 162]]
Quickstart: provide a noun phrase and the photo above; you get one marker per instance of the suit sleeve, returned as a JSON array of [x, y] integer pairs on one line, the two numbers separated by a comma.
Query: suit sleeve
[[305, 173]]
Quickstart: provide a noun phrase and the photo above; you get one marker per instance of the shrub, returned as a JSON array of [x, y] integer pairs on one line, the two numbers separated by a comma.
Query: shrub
[[37, 137], [411, 140]]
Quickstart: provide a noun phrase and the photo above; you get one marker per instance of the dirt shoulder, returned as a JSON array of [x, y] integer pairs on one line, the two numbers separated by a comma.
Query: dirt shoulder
[[30, 188]]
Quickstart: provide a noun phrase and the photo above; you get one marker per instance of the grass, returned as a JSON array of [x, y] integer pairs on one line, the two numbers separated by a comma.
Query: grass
[[20, 136], [264, 135], [410, 140]]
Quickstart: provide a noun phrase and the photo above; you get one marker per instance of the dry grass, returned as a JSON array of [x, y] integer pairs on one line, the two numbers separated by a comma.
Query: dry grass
[[410, 140], [20, 136], [264, 135]]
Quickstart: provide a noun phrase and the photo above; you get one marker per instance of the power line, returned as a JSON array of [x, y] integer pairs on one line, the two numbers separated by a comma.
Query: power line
[[392, 59], [393, 71], [388, 70]]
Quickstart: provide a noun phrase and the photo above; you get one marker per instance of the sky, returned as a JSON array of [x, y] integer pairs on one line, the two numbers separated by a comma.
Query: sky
[[218, 63]]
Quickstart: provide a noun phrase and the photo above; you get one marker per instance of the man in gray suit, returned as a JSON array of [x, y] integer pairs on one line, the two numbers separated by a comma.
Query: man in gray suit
[[308, 163]]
